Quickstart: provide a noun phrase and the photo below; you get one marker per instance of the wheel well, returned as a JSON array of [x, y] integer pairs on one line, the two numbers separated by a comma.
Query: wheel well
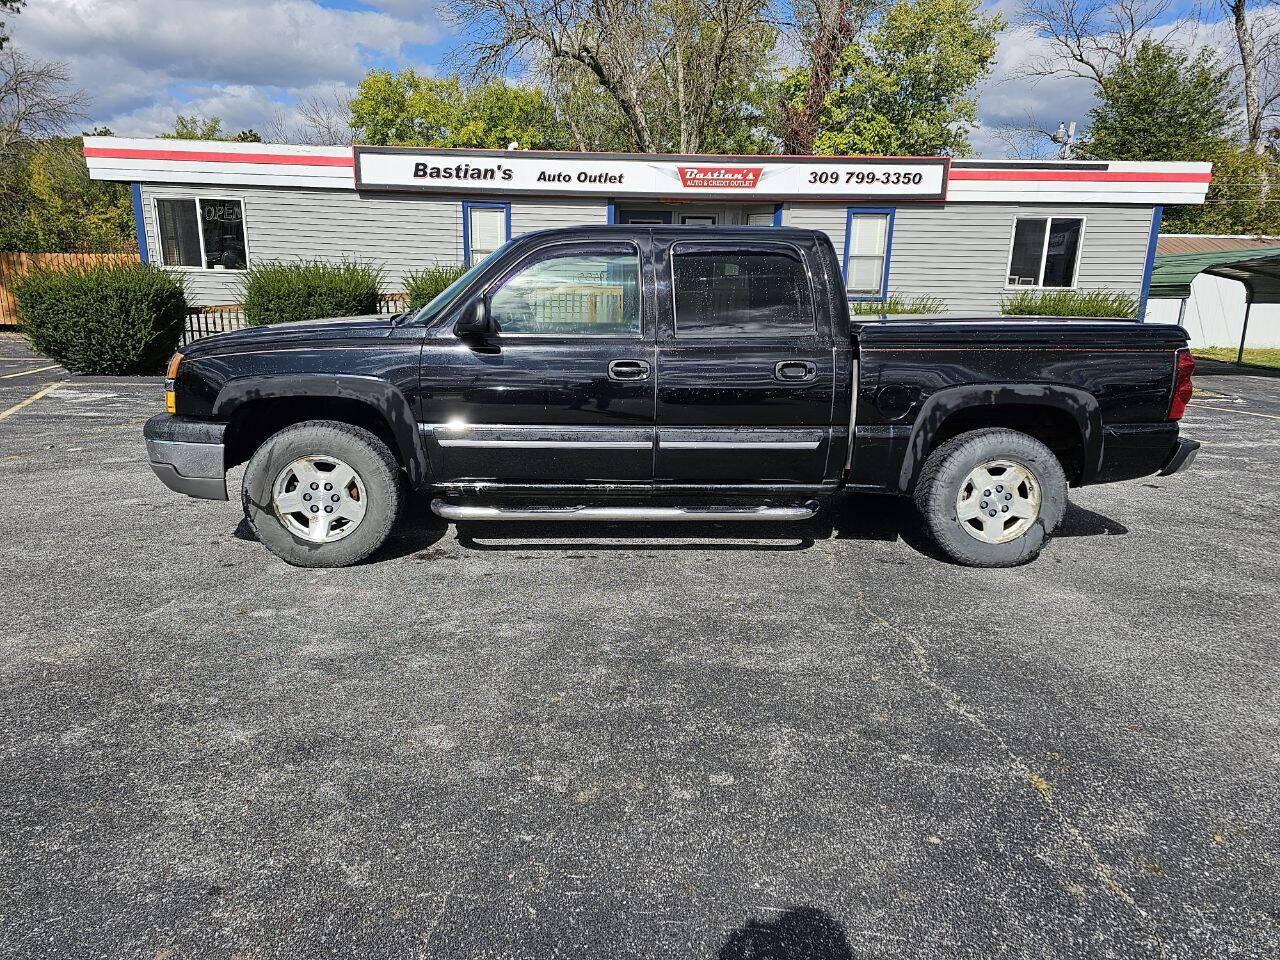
[[253, 422], [1053, 427]]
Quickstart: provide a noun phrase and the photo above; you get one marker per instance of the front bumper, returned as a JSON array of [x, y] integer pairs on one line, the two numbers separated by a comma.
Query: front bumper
[[187, 455], [1184, 452]]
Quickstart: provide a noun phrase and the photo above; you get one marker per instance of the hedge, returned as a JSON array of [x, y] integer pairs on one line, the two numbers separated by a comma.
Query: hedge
[[106, 320], [287, 291], [896, 303], [423, 286], [1071, 303]]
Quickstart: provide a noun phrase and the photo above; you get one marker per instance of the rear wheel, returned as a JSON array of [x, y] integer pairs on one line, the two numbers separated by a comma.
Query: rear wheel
[[991, 498], [322, 493]]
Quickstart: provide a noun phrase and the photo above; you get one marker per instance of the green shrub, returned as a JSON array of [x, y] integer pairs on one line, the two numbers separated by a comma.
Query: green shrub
[[108, 320], [1071, 303], [896, 303], [287, 291], [423, 286]]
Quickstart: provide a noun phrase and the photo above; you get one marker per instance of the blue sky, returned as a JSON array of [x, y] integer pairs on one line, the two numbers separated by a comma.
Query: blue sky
[[252, 61]]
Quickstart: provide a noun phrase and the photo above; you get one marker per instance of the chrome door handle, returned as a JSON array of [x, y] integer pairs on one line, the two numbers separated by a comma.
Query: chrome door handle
[[795, 370], [628, 370]]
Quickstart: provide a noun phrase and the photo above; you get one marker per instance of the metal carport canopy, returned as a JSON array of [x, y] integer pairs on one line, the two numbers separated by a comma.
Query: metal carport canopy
[[1257, 269]]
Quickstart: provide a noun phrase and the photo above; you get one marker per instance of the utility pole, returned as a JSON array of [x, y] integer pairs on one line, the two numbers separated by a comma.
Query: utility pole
[[1065, 138]]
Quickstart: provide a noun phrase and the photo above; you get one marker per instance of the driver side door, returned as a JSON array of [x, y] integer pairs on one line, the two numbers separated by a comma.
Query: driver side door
[[563, 393]]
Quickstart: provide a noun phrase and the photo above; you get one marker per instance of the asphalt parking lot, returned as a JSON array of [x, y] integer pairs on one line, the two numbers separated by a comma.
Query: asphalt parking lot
[[514, 741]]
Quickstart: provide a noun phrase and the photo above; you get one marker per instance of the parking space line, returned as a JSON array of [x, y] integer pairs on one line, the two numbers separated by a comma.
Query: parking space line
[[31, 399], [23, 373], [1247, 413]]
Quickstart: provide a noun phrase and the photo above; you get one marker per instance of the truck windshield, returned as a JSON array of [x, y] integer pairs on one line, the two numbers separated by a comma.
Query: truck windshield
[[444, 299]]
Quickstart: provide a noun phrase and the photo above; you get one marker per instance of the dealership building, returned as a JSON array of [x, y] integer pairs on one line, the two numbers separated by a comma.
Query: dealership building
[[967, 232]]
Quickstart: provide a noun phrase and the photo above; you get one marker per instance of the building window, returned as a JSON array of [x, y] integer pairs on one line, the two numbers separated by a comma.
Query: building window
[[572, 293], [1045, 251], [201, 232], [486, 226], [736, 293], [868, 239]]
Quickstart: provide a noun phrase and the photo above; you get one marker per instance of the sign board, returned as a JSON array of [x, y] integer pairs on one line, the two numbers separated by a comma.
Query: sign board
[[642, 175]]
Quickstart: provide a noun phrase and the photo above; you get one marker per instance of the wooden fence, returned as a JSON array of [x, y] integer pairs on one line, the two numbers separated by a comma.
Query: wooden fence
[[14, 265]]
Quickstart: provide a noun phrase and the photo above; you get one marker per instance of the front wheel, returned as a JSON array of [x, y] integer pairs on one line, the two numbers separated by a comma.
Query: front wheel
[[322, 493], [991, 498]]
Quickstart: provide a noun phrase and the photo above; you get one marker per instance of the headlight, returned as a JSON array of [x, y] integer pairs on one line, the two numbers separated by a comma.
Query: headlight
[[170, 375]]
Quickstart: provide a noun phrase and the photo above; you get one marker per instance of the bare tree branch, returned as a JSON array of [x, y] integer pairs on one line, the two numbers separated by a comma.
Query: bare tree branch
[[1087, 38], [35, 101]]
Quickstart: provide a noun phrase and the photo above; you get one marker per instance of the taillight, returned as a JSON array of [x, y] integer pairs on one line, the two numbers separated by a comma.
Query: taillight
[[1181, 384], [170, 375]]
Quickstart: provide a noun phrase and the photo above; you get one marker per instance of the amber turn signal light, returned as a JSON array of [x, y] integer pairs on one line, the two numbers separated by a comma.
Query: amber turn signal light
[[172, 370], [170, 401]]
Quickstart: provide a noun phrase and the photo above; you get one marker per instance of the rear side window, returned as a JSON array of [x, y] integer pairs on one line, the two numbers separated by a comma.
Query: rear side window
[[740, 293]]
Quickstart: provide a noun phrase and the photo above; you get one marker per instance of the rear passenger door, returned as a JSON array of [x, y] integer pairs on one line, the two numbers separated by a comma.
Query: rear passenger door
[[745, 369]]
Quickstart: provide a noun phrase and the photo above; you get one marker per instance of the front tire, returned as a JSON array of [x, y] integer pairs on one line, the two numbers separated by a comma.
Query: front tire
[[322, 493], [992, 498]]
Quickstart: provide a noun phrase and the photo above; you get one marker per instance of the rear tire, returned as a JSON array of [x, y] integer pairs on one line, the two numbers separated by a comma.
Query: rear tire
[[322, 493], [992, 498]]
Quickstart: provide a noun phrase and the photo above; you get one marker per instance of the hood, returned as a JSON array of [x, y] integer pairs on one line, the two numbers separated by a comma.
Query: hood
[[325, 328]]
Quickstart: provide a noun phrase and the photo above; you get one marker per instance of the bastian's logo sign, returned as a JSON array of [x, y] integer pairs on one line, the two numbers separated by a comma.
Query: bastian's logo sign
[[461, 171], [721, 178]]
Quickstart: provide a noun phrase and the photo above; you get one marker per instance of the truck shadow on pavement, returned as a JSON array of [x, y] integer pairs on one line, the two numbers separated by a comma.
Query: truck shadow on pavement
[[800, 933], [855, 516]]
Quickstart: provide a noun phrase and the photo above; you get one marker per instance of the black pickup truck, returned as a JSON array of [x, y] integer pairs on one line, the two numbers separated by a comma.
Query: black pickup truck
[[657, 374]]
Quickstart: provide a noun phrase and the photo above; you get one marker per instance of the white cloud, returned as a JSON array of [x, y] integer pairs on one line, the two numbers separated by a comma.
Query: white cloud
[[143, 61]]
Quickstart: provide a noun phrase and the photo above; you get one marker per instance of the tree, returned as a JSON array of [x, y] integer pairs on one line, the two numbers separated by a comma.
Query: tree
[[196, 127], [409, 109], [69, 212], [15, 6], [1163, 104], [1257, 40], [1239, 199], [906, 87], [323, 119], [1089, 38], [669, 65]]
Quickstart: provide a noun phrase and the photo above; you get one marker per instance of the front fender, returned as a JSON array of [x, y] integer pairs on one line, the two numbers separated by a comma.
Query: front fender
[[382, 396], [1080, 405]]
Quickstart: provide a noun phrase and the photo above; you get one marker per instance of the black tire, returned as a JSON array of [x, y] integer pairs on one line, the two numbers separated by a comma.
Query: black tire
[[945, 475], [363, 452]]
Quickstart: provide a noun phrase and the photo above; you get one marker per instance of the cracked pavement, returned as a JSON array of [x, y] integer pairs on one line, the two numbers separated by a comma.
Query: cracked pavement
[[587, 741]]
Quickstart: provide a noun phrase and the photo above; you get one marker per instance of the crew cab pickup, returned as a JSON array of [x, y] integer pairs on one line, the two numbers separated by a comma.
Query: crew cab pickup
[[667, 373]]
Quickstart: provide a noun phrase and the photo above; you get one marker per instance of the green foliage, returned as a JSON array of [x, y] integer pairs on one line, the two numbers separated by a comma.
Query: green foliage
[[425, 285], [111, 320], [196, 127], [907, 86], [1163, 104], [1242, 196], [409, 109], [285, 292], [896, 303], [1071, 303], [49, 204]]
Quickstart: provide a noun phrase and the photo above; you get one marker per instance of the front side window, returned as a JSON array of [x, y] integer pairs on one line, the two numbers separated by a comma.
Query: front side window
[[868, 246], [592, 292], [740, 293], [201, 232], [1045, 251], [486, 231]]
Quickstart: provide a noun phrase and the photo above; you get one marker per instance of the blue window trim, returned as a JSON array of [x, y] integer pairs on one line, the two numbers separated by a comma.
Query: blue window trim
[[467, 207], [611, 213], [1157, 216], [852, 212], [777, 214], [139, 225]]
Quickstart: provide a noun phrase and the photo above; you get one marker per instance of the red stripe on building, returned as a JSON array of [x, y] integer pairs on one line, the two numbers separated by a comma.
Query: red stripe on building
[[1091, 176], [212, 156]]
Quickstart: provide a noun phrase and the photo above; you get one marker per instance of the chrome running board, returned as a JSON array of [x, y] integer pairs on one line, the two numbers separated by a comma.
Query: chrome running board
[[472, 511]]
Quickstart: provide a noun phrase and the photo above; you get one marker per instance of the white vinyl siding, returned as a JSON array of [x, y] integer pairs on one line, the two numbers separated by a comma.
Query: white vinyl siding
[[399, 231], [959, 253]]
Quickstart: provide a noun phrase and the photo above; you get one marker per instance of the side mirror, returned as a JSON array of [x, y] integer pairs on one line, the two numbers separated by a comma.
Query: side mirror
[[475, 323]]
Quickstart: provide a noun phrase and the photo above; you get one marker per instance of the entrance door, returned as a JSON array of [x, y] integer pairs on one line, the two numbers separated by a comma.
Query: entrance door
[[745, 374], [563, 394]]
